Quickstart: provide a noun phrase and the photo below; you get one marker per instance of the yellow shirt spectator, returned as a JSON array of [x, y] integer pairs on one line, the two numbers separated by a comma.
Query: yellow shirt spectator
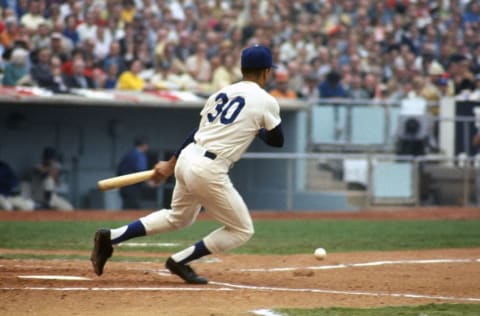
[[130, 79]]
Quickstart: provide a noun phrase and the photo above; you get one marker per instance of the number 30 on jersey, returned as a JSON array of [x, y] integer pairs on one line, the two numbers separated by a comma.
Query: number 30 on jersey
[[228, 110]]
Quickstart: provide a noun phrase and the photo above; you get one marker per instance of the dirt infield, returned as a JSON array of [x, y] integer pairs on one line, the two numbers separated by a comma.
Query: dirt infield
[[241, 284]]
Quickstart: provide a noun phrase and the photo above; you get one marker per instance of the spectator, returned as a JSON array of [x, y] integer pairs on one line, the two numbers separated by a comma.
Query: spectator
[[61, 45], [281, 90], [309, 91], [198, 65], [88, 28], [103, 42], [9, 33], [114, 57], [131, 79], [10, 199], [184, 48], [356, 90], [332, 87], [33, 18], [226, 74], [134, 160], [70, 30], [78, 80], [17, 67], [46, 182], [111, 77], [40, 70], [41, 38]]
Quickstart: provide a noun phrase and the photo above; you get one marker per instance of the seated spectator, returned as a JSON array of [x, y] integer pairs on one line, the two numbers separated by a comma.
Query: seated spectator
[[40, 70], [227, 73], [88, 28], [357, 91], [182, 79], [9, 33], [332, 87], [111, 77], [10, 199], [33, 17], [281, 89], [78, 80], [70, 30], [130, 79], [46, 181], [198, 65], [310, 89], [48, 73], [103, 41], [16, 68], [115, 57], [41, 38]]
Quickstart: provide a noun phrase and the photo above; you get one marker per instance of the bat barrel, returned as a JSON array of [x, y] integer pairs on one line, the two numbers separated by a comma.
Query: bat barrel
[[127, 179]]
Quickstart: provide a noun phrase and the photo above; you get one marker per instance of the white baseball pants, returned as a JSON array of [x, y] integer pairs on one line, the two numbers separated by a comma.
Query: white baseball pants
[[203, 181]]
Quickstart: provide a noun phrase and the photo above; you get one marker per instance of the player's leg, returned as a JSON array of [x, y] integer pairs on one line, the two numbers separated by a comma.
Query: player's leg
[[228, 207], [183, 214]]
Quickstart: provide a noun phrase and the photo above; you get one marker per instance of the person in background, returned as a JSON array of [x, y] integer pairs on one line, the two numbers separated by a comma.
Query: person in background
[[78, 80], [111, 77], [46, 180], [332, 87], [134, 160], [17, 67], [130, 79], [281, 89], [9, 199]]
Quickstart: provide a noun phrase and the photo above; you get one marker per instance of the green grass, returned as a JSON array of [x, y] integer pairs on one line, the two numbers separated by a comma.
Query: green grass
[[271, 237], [424, 310]]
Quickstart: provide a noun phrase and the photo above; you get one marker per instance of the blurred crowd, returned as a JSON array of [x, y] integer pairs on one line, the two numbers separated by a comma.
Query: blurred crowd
[[360, 49]]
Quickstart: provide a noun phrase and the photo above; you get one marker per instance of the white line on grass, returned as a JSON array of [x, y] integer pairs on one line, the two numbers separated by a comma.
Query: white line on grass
[[358, 265], [265, 312], [149, 244]]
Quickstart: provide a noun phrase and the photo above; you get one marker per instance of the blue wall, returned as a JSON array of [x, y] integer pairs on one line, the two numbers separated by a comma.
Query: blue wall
[[92, 139]]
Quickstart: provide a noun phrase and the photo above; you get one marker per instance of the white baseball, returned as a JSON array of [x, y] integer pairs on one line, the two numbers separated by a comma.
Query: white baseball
[[320, 253]]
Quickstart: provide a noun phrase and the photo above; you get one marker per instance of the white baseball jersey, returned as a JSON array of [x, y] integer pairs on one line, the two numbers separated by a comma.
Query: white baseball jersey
[[232, 117]]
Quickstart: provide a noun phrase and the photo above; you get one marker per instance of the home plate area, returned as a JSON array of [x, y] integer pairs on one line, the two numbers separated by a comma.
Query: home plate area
[[242, 284]]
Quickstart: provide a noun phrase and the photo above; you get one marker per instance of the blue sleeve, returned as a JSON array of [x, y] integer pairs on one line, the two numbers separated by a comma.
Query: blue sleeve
[[188, 140], [273, 137]]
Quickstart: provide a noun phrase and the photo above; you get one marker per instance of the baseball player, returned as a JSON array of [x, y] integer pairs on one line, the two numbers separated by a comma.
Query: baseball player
[[230, 120]]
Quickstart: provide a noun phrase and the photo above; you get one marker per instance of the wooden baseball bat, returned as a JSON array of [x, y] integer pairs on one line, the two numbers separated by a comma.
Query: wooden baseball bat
[[127, 179]]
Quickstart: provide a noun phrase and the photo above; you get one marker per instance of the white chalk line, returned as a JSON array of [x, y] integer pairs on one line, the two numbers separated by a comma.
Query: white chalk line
[[118, 289], [265, 312], [149, 244], [358, 293], [358, 265], [231, 287]]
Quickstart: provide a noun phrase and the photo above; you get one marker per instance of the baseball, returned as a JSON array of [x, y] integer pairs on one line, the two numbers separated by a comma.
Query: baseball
[[320, 253]]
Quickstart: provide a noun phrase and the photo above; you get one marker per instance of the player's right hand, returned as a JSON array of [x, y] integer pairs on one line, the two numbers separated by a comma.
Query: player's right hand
[[163, 170]]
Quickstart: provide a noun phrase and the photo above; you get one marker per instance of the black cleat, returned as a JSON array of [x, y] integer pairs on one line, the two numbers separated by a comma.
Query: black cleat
[[102, 250], [185, 272]]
